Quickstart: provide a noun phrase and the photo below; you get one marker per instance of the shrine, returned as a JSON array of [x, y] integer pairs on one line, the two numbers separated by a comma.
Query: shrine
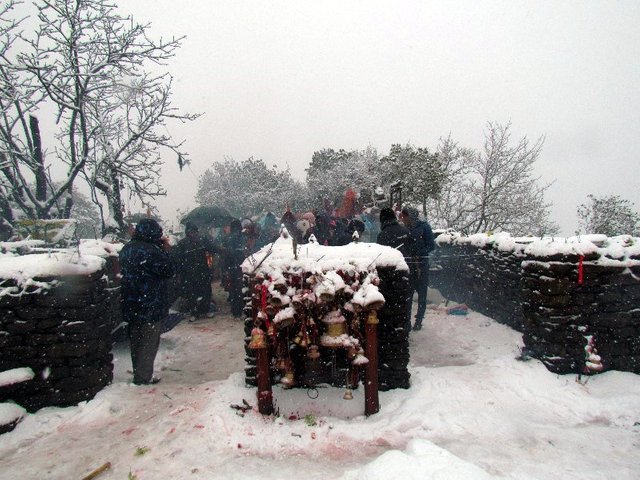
[[320, 315]]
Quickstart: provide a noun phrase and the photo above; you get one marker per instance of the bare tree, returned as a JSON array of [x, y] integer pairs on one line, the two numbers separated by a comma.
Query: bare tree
[[452, 206], [494, 189], [89, 63], [23, 177], [608, 215]]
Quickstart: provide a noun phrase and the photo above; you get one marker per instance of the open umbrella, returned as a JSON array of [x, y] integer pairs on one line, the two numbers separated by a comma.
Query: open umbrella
[[210, 216]]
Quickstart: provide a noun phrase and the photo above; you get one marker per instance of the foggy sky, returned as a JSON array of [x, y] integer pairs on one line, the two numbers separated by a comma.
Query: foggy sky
[[279, 80]]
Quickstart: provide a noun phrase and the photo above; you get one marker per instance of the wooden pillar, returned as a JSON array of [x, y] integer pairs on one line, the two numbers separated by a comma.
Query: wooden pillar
[[371, 402], [265, 394], [259, 345]]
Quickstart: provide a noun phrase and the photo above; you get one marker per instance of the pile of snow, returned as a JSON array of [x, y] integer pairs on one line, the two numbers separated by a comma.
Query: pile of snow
[[15, 375], [11, 413], [13, 249]]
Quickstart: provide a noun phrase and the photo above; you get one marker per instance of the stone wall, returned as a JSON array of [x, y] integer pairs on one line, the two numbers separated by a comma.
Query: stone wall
[[560, 302], [393, 330], [64, 335]]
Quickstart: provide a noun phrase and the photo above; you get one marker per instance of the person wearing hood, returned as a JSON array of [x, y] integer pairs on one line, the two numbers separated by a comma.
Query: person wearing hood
[[145, 267], [393, 234], [423, 244], [192, 259]]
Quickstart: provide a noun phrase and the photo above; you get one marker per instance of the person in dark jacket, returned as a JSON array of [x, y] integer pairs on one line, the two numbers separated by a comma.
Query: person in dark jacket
[[145, 267], [322, 228], [191, 257], [289, 221], [393, 234], [233, 249], [346, 237], [423, 244]]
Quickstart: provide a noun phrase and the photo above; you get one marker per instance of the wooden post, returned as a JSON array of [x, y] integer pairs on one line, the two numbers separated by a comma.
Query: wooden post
[[371, 402], [265, 394]]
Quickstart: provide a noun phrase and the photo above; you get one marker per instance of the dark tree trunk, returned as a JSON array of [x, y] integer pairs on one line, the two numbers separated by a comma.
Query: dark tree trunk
[[39, 171]]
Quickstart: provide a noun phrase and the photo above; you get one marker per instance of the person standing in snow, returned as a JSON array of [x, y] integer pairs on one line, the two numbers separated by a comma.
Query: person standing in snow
[[233, 249], [423, 244], [145, 267], [191, 257], [393, 234]]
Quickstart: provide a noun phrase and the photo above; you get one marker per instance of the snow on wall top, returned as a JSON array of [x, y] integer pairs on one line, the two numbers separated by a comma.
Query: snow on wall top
[[24, 269], [621, 248], [99, 248], [12, 249], [316, 258]]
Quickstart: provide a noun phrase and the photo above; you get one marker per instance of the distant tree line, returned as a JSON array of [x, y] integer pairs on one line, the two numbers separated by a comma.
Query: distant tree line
[[455, 187]]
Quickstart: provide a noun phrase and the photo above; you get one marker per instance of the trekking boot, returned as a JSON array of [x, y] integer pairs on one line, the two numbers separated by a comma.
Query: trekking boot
[[417, 325]]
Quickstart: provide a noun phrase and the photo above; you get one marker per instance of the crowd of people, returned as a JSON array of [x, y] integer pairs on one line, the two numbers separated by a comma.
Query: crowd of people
[[155, 275]]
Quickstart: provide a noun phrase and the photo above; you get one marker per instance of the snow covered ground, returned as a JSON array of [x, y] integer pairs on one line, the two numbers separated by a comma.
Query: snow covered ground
[[473, 412]]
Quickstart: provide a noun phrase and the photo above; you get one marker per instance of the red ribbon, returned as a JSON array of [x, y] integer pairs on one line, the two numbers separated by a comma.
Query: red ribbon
[[263, 297], [581, 270], [263, 305]]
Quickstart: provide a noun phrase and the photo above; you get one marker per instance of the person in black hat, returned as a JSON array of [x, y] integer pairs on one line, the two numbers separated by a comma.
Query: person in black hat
[[145, 266], [192, 255]]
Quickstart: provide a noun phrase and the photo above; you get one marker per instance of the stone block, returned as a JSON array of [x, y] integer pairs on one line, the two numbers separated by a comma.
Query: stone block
[[31, 312], [63, 350], [10, 340], [42, 339]]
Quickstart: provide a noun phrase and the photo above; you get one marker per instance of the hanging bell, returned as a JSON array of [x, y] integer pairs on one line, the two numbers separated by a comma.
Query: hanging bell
[[348, 394], [258, 339], [288, 380]]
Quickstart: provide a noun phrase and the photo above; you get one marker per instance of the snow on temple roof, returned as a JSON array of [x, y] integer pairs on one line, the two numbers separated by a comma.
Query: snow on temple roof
[[313, 257]]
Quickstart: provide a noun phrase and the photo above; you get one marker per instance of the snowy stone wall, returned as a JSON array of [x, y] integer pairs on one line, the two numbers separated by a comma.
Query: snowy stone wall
[[577, 302], [393, 330], [60, 327], [486, 279]]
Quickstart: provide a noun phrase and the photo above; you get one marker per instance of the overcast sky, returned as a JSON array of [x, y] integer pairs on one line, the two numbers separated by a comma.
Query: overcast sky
[[279, 80]]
